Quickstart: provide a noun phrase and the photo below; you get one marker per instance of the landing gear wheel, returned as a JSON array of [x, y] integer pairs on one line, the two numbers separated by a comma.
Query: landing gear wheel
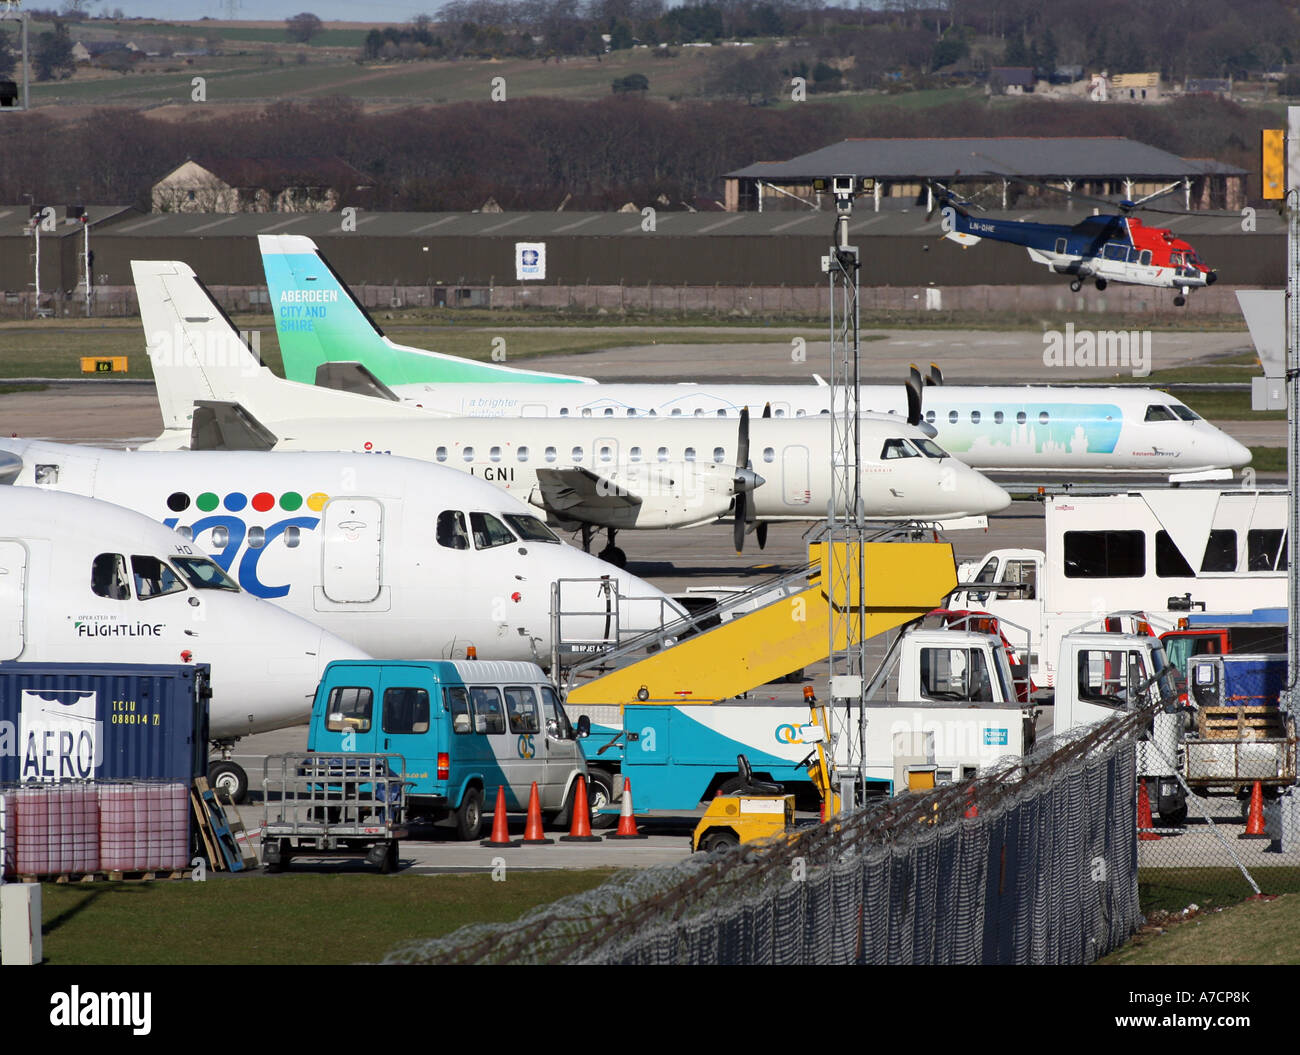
[[229, 781], [1075, 286], [1179, 301], [469, 818], [1100, 284], [613, 555], [600, 794], [716, 842]]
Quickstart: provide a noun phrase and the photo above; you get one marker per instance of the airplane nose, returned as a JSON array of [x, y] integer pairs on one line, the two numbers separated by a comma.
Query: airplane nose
[[1235, 453], [1211, 278], [991, 497]]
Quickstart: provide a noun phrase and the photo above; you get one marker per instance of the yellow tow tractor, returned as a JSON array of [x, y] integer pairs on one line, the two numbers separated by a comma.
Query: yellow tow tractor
[[744, 810]]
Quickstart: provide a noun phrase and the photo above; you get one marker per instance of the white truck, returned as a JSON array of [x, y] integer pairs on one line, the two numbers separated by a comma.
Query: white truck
[[1158, 553]]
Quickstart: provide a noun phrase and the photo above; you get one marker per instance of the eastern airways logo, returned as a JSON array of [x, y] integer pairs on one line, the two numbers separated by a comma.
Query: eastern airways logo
[[230, 529]]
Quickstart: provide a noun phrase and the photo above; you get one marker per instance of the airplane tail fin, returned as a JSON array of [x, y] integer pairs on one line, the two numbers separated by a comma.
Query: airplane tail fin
[[196, 351], [319, 320]]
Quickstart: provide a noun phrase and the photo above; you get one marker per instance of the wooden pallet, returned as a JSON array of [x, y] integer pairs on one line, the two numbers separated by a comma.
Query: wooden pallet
[[1241, 723], [111, 875], [223, 851]]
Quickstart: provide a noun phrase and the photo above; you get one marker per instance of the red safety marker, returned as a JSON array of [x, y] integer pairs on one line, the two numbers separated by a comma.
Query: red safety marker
[[626, 822]]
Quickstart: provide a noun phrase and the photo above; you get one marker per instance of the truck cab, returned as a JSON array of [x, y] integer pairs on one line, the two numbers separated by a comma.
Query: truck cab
[[463, 727]]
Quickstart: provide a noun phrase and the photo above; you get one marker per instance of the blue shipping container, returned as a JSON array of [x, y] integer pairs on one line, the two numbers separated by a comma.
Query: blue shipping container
[[107, 721]]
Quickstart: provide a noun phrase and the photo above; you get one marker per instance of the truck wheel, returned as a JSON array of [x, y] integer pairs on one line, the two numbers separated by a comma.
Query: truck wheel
[[600, 794], [469, 817], [1174, 818], [229, 781], [719, 841]]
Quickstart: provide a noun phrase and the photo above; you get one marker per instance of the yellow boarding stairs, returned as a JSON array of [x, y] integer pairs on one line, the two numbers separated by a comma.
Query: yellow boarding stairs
[[896, 581]]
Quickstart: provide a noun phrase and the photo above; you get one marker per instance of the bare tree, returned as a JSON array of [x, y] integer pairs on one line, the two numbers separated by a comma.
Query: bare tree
[[302, 27]]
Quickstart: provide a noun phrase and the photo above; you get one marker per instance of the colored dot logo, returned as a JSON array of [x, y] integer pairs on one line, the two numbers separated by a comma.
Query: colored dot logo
[[236, 501], [788, 734]]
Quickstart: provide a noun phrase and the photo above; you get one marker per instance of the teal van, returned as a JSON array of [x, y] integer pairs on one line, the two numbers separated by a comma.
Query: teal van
[[464, 728]]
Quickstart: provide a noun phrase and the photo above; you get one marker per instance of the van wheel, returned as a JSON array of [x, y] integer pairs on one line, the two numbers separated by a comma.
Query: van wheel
[[600, 794], [469, 817]]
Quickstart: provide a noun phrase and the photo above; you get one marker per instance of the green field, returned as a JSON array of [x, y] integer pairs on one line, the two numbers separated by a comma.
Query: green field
[[287, 919]]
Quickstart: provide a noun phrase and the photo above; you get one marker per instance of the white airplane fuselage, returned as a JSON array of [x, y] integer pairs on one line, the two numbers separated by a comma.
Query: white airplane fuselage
[[403, 559], [84, 582]]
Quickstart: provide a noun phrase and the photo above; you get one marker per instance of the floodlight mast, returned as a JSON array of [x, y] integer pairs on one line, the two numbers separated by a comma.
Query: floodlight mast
[[845, 516]]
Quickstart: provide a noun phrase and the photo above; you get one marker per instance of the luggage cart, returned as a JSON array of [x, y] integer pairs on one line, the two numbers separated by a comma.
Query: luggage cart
[[319, 805]]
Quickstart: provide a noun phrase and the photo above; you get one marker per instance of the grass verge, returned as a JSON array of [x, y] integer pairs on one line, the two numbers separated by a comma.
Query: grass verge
[[287, 919]]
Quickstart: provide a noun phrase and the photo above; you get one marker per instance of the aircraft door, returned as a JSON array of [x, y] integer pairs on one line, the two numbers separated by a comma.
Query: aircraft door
[[13, 598], [353, 532], [796, 488]]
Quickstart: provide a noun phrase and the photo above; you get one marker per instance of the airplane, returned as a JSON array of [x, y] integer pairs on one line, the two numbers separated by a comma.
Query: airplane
[[399, 558], [1021, 428], [611, 474], [1105, 248], [84, 581]]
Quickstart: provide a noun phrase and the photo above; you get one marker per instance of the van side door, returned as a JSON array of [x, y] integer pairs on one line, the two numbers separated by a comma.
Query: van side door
[[407, 728]]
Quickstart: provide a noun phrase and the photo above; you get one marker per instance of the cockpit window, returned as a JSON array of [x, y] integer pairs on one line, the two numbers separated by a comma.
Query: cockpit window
[[1159, 412], [488, 531], [108, 577], [530, 529], [1184, 412], [897, 449], [451, 530], [930, 449], [154, 578], [203, 574]]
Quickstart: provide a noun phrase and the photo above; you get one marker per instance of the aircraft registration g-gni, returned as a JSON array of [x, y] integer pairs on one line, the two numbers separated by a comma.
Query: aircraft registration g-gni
[[398, 558], [83, 580], [323, 330], [1105, 248], [608, 473]]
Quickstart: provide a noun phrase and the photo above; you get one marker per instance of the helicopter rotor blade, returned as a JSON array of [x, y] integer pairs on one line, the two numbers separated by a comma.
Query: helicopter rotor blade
[[914, 386]]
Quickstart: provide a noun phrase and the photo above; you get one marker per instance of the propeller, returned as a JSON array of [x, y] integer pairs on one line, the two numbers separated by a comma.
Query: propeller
[[914, 386], [934, 377], [744, 482]]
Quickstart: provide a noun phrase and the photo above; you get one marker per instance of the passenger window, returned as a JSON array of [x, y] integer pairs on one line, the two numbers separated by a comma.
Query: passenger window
[[495, 454], [609, 412], [406, 711], [769, 454], [577, 454], [606, 454], [451, 530], [441, 454], [488, 715], [1043, 417], [154, 578], [557, 722], [586, 412], [456, 700], [1060, 245], [1220, 551], [997, 417], [521, 454], [690, 454], [1021, 417], [974, 417], [663, 454], [699, 412], [550, 454], [929, 417], [256, 537], [468, 454], [634, 454], [1105, 554], [723, 413], [488, 531], [348, 709], [292, 536], [719, 455], [1170, 562], [108, 577], [677, 412], [521, 709], [1262, 546], [1145, 258], [952, 417]]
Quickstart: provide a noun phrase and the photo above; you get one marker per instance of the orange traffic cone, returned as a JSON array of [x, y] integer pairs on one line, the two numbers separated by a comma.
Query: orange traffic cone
[[972, 810], [500, 831], [1255, 817], [626, 822], [533, 834], [580, 828], [1145, 824]]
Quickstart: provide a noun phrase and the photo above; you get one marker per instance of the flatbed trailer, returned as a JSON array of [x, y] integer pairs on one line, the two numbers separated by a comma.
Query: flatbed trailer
[[332, 805]]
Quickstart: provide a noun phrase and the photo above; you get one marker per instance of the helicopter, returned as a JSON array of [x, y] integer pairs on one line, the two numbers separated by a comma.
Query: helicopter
[[1106, 248]]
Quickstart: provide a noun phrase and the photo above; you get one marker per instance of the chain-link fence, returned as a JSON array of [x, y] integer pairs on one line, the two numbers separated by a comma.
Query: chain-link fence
[[1034, 863]]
